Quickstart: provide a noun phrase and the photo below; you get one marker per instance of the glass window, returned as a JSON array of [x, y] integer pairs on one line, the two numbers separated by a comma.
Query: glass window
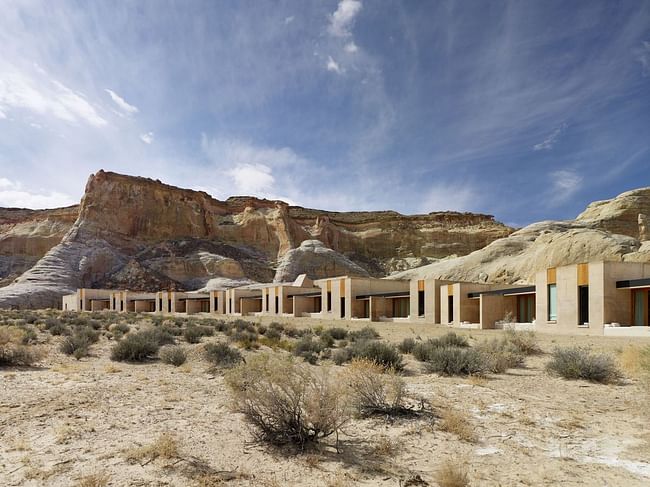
[[552, 302]]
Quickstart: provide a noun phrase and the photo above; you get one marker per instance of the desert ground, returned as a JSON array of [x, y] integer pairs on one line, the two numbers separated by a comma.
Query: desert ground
[[96, 422]]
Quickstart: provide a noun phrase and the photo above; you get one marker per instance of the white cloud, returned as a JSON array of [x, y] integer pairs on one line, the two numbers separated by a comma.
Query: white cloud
[[252, 179], [644, 58], [2, 115], [351, 47], [564, 184], [225, 152], [120, 102], [288, 20], [147, 138], [551, 140], [451, 197], [41, 94], [333, 66], [342, 19], [13, 195]]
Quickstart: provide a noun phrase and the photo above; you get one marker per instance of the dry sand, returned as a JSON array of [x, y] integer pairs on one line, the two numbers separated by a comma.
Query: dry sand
[[68, 419]]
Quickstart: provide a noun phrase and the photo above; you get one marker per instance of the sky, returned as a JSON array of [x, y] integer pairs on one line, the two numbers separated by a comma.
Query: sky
[[524, 110]]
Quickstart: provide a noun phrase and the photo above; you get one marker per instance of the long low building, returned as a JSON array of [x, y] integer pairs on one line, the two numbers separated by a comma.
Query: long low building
[[598, 298]]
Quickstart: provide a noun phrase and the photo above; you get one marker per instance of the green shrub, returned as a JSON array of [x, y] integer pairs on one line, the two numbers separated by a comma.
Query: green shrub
[[407, 345], [261, 329], [12, 350], [365, 333], [326, 340], [456, 361], [337, 333], [381, 353], [29, 335], [273, 334], [78, 344], [159, 336], [194, 333], [308, 348], [341, 355], [59, 329], [173, 354], [276, 326], [423, 350], [452, 340], [287, 403], [579, 363], [120, 328], [171, 329], [136, 347], [245, 338], [221, 355]]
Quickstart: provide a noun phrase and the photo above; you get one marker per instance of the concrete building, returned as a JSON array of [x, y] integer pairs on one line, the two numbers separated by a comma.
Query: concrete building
[[218, 302], [424, 297], [514, 304], [347, 298], [87, 300], [298, 298], [182, 302], [458, 306], [244, 300], [133, 302], [610, 298]]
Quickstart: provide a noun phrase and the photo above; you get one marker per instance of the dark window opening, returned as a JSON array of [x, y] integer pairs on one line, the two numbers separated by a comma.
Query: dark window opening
[[216, 304], [401, 307], [277, 304], [342, 307], [366, 309], [329, 301], [121, 305], [318, 304], [114, 303], [420, 303], [583, 305], [159, 304], [169, 305], [450, 309], [267, 302], [81, 305]]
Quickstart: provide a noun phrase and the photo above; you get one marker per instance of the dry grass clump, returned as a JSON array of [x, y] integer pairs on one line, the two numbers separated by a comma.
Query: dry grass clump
[[365, 333], [165, 446], [579, 363], [407, 345], [140, 346], [454, 422], [500, 355], [381, 353], [452, 474], [285, 402], [13, 350], [422, 351], [99, 479], [450, 360], [173, 355], [385, 446], [373, 390], [524, 342], [78, 344], [193, 333], [308, 348], [636, 361]]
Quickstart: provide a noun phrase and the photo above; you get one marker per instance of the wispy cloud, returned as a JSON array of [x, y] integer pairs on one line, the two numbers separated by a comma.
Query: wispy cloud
[[644, 58], [252, 179], [333, 66], [14, 195], [551, 140], [41, 94], [351, 47], [289, 19], [121, 103], [451, 196], [342, 20], [564, 184], [147, 138]]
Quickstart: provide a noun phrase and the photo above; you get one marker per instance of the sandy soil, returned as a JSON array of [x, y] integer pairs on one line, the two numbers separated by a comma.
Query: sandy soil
[[68, 419]]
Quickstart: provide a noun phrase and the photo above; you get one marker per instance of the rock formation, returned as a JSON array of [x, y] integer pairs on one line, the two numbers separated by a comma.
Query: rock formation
[[142, 234], [606, 230]]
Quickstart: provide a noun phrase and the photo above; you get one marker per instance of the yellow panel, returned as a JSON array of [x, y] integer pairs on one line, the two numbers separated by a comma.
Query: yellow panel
[[421, 285], [450, 289], [583, 274], [342, 287], [277, 290], [551, 276]]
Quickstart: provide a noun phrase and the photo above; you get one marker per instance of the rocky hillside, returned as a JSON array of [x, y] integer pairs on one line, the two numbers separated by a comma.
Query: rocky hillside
[[615, 229], [142, 234]]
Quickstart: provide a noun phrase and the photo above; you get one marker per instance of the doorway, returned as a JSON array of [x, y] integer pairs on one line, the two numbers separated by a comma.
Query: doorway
[[583, 305]]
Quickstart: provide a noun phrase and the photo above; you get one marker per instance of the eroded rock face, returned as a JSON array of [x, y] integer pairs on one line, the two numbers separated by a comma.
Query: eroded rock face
[[606, 230], [142, 234], [317, 261]]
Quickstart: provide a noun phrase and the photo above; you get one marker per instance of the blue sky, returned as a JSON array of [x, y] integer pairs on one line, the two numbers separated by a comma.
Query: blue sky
[[525, 110]]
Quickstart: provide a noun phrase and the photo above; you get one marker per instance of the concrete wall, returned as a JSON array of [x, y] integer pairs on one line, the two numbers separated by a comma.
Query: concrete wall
[[250, 305], [494, 308], [220, 297], [70, 302], [465, 309]]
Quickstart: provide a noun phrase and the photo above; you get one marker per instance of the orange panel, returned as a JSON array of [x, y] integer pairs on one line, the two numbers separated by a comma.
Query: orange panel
[[329, 286], [421, 285], [342, 287], [450, 289], [583, 274], [551, 276]]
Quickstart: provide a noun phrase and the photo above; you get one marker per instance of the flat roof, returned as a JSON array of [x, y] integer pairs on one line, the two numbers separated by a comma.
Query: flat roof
[[645, 282], [307, 295], [396, 294], [511, 291]]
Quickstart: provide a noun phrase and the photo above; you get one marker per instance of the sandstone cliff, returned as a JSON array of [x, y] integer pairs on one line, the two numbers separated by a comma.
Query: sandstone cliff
[[142, 234], [614, 230]]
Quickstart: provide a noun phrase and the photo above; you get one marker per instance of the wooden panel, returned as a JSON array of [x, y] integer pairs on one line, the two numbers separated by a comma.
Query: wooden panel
[[450, 289], [342, 288], [329, 286], [583, 274], [551, 276], [421, 285]]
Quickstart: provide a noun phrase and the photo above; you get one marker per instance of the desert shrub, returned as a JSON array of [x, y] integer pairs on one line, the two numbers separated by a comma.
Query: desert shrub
[[337, 333], [456, 361], [29, 335], [157, 320], [452, 340], [308, 348], [165, 446], [276, 326], [365, 333], [171, 329], [579, 363], [501, 355], [243, 325], [525, 342], [223, 326], [341, 355], [78, 344], [292, 332], [422, 351], [287, 403], [136, 347], [221, 355], [87, 333], [273, 334], [119, 329], [372, 390], [158, 335], [194, 333], [381, 353], [59, 329], [12, 349], [457, 423], [407, 345], [50, 322], [326, 340], [245, 338], [451, 474], [261, 329], [173, 355]]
